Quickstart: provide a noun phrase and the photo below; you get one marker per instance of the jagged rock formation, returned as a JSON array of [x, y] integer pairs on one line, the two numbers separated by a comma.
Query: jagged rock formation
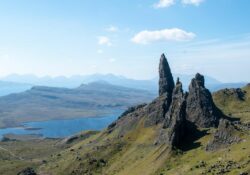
[[173, 128], [201, 109], [174, 111], [225, 135]]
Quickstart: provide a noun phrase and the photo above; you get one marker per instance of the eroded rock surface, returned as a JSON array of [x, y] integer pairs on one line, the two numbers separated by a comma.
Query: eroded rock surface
[[173, 129], [225, 135]]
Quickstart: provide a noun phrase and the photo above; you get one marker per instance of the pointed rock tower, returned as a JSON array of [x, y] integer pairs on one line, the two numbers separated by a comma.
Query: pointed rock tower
[[158, 108], [201, 109], [166, 81]]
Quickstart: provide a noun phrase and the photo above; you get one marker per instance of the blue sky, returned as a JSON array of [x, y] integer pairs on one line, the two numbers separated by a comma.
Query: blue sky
[[68, 37]]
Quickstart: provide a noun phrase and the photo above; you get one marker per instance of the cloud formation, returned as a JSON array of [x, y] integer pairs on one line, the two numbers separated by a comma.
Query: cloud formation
[[112, 29], [164, 3], [192, 2], [99, 51], [174, 34], [168, 3], [111, 60], [103, 40]]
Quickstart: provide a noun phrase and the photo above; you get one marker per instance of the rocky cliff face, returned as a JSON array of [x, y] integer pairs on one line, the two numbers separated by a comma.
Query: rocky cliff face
[[173, 111]]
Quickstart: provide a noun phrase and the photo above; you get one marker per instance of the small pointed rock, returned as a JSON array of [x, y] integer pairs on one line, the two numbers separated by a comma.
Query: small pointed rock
[[166, 81]]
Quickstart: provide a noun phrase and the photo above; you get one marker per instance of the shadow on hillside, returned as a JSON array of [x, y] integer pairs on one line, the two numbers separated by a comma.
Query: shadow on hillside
[[193, 134]]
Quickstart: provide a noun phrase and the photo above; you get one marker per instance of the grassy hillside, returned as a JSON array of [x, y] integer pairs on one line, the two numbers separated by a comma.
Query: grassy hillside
[[234, 102]]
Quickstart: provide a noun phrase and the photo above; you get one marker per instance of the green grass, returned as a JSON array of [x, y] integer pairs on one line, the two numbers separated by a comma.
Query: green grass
[[17, 155]]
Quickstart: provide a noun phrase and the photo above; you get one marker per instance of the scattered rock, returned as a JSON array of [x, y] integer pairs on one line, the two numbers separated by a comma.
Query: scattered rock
[[27, 171], [244, 173], [236, 93]]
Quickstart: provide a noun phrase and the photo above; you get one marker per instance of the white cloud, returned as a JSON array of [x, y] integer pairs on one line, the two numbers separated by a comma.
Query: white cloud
[[164, 3], [99, 51], [192, 2], [111, 60], [103, 40], [174, 34], [112, 29]]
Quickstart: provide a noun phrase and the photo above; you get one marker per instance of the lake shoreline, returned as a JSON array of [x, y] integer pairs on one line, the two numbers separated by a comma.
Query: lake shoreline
[[63, 127]]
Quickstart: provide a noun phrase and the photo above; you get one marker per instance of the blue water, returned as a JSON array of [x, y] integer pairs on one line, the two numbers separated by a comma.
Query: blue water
[[62, 128]]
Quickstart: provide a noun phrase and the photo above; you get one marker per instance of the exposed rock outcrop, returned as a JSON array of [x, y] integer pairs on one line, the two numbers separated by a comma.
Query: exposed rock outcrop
[[152, 114], [155, 112], [225, 135], [201, 109]]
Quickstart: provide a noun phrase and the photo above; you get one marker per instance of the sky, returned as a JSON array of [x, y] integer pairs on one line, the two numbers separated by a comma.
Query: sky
[[79, 37]]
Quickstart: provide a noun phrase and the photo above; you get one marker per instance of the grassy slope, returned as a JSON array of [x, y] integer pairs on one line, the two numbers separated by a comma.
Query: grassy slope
[[135, 154], [233, 106], [17, 155]]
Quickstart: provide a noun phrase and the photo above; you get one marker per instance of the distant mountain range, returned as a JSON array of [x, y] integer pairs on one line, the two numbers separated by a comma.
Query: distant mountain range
[[13, 87], [88, 100], [18, 83]]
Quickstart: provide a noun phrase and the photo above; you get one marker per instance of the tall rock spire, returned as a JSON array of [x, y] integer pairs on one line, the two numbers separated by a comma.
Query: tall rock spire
[[166, 81]]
